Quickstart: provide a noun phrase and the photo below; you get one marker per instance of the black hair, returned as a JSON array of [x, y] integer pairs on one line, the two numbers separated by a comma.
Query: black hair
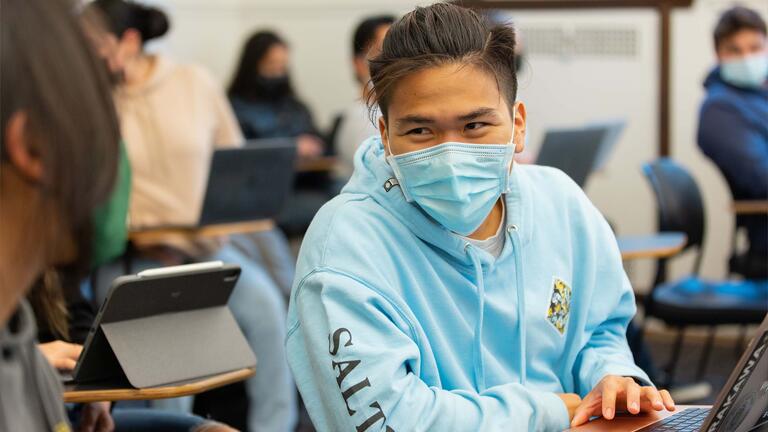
[[736, 19], [121, 15], [60, 85], [439, 34], [365, 33], [247, 84]]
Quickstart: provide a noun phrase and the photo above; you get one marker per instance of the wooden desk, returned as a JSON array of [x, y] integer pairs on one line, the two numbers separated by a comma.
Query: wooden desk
[[186, 389], [661, 245], [320, 164], [750, 207], [628, 422], [155, 235]]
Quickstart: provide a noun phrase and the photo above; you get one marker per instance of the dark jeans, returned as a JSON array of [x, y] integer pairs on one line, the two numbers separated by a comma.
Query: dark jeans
[[153, 420]]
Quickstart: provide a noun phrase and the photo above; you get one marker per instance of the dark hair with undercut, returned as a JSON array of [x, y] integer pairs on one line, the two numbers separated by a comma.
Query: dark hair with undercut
[[437, 35], [54, 79], [121, 15], [365, 33], [736, 19]]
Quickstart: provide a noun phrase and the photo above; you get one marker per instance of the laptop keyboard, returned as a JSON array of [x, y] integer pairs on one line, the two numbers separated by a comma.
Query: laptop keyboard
[[689, 420]]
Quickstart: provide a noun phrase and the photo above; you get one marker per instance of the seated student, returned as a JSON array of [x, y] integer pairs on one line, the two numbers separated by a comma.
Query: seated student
[[356, 125], [266, 106], [173, 117], [733, 123], [58, 157], [263, 98], [447, 288]]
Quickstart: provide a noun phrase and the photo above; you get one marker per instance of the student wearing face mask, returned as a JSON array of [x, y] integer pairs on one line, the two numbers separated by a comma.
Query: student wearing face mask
[[267, 106], [448, 288], [733, 124], [263, 97]]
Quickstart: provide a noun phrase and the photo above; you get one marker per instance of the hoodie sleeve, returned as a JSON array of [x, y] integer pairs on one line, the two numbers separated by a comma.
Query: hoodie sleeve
[[735, 147], [612, 307], [356, 361]]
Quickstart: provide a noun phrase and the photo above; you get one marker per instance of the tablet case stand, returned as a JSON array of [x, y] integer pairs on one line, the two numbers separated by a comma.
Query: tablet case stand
[[157, 346]]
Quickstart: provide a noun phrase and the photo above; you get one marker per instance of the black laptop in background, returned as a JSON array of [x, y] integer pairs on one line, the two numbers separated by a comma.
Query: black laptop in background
[[573, 150], [245, 184], [249, 183]]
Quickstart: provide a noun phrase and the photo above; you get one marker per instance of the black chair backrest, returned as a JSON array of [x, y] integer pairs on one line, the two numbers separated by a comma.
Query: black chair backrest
[[679, 202], [332, 134]]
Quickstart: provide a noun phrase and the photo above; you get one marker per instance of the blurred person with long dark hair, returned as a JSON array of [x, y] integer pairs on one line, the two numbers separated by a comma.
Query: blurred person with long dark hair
[[263, 97], [58, 158]]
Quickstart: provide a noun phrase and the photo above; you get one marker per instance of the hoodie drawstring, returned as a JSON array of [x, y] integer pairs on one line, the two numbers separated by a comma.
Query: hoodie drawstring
[[479, 365], [517, 251]]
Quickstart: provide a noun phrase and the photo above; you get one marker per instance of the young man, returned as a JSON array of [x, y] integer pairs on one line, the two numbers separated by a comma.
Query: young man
[[733, 124], [446, 288], [356, 124]]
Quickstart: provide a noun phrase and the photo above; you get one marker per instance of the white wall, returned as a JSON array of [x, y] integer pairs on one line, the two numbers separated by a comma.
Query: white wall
[[557, 90]]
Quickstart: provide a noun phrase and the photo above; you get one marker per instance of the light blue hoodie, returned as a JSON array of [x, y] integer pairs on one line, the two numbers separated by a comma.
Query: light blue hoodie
[[397, 324]]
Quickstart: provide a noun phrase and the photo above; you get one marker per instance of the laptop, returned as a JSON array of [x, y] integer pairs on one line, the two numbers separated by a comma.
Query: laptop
[[249, 183], [741, 406], [164, 326], [615, 129], [573, 150], [246, 183]]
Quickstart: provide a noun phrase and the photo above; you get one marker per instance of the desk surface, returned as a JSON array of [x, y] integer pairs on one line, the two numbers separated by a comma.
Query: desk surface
[[628, 422], [186, 389], [154, 235], [750, 207], [320, 164], [661, 245]]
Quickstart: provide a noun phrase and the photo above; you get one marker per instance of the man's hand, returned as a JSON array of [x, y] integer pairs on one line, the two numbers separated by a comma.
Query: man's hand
[[622, 392], [61, 355], [571, 401], [96, 418]]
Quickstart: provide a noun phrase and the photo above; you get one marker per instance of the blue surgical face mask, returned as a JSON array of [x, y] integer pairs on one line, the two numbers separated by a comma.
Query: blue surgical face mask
[[747, 72], [457, 184]]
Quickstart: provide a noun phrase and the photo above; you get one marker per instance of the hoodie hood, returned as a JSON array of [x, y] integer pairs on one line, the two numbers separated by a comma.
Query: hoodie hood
[[374, 177]]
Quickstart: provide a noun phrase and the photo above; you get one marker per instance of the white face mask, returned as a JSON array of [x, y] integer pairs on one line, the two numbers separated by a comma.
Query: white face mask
[[457, 184], [746, 72]]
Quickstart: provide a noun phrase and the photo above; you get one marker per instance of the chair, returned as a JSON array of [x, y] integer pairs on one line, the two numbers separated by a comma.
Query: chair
[[747, 263], [692, 301]]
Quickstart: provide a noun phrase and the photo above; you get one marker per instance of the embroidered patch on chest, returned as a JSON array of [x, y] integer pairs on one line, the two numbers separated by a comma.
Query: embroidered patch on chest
[[559, 304]]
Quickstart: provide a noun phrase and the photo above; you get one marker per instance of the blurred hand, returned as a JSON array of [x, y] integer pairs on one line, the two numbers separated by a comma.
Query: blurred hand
[[61, 355], [571, 401], [309, 146], [622, 392], [212, 426], [96, 418]]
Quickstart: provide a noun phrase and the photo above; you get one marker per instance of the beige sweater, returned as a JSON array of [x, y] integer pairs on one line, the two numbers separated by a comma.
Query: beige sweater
[[171, 124]]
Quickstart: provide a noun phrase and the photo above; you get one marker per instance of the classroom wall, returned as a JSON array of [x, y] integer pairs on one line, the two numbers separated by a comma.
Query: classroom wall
[[560, 87]]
